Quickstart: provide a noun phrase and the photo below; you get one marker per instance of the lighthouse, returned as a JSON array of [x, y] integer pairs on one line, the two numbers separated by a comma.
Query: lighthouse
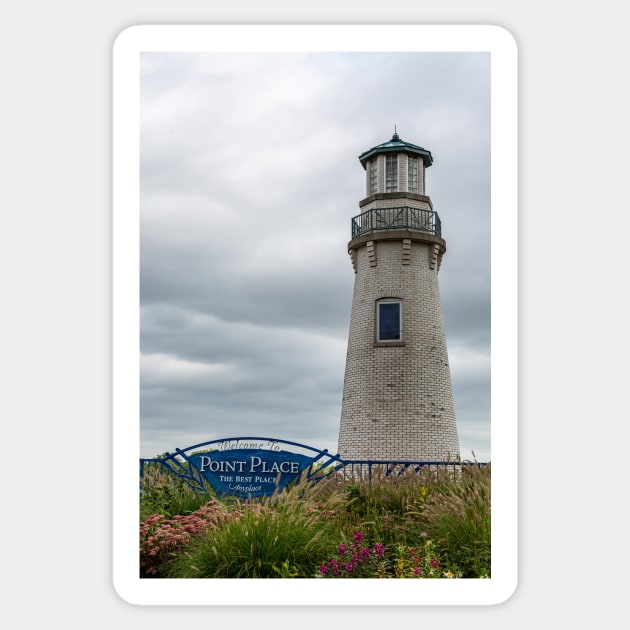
[[397, 394]]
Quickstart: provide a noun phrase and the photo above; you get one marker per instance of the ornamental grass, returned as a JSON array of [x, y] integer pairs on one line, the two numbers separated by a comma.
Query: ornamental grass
[[164, 493], [456, 516], [285, 535], [432, 523]]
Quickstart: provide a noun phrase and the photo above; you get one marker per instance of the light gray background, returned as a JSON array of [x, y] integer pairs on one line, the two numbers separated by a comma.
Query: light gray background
[[55, 265]]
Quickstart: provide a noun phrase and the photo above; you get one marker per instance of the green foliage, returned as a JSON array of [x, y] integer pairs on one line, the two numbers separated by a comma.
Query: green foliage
[[285, 571], [417, 563], [427, 524]]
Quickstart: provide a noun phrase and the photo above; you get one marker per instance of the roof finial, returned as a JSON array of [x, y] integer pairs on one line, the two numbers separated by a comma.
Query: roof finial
[[395, 136]]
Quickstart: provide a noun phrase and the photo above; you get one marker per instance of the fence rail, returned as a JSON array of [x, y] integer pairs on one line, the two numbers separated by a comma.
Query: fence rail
[[202, 466], [365, 468], [347, 470]]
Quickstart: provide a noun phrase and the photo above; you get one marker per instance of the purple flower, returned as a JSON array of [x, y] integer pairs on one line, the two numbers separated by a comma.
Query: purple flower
[[358, 537]]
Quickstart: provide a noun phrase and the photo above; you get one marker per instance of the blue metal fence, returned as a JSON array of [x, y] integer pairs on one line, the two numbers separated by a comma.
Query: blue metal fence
[[183, 464]]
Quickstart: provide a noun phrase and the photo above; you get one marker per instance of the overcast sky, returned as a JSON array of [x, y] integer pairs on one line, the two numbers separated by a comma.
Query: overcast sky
[[249, 179]]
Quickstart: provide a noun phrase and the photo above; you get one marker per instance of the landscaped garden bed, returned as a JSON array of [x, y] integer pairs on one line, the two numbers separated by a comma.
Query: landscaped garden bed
[[427, 524]]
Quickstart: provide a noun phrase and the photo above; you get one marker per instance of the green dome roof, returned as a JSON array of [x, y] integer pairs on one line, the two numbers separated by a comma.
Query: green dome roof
[[396, 145]]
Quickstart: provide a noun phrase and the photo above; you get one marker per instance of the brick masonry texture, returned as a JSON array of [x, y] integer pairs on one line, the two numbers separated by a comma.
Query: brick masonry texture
[[397, 397]]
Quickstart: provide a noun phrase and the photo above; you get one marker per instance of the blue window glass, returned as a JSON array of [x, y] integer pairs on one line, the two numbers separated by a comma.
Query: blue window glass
[[389, 328]]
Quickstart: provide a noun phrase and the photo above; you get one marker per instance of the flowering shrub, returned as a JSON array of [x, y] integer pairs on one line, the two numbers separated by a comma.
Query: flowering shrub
[[161, 538], [355, 561]]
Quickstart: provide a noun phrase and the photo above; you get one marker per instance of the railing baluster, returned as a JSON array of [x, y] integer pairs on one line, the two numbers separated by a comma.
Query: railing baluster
[[392, 218]]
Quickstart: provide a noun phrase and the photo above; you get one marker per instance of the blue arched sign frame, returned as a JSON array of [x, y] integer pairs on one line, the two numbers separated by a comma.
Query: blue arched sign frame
[[245, 466]]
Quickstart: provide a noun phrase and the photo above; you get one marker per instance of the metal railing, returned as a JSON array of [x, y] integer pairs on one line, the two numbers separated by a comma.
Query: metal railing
[[182, 466], [367, 469], [403, 217]]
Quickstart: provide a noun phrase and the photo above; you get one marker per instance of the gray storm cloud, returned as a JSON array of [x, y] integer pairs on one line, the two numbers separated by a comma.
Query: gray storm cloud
[[249, 179]]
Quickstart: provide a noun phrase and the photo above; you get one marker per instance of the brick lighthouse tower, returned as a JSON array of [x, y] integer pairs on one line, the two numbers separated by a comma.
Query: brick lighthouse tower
[[397, 394]]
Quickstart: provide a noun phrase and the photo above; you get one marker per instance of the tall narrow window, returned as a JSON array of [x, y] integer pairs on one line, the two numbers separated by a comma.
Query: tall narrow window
[[391, 173], [372, 177], [389, 320], [412, 174]]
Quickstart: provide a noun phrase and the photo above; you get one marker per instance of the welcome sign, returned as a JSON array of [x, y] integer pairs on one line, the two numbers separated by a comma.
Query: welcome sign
[[244, 466], [249, 472]]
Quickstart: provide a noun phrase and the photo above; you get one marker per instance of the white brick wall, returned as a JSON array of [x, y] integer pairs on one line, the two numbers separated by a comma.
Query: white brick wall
[[397, 399]]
